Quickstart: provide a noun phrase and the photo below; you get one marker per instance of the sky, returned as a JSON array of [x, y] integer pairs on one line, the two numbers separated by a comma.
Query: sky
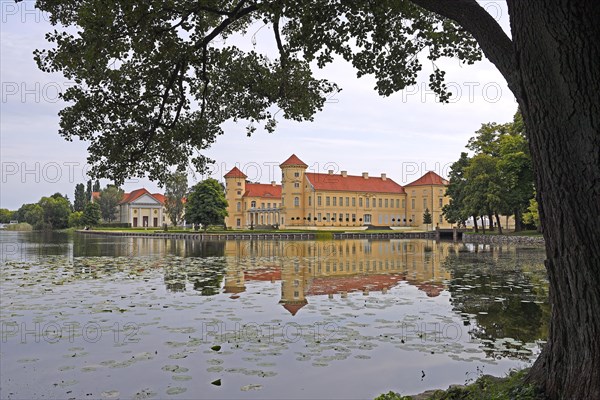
[[403, 135]]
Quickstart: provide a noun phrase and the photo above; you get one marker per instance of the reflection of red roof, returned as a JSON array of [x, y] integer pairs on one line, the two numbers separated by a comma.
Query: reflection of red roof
[[430, 289], [263, 274], [235, 173], [353, 183], [293, 160], [263, 190], [136, 194], [293, 308], [430, 178], [352, 283]]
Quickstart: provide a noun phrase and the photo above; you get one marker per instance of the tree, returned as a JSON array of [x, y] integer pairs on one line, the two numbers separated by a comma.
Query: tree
[[455, 211], [206, 204], [56, 211], [96, 186], [33, 214], [108, 201], [88, 192], [76, 219], [5, 215], [427, 218], [156, 83], [91, 214], [79, 199], [175, 192]]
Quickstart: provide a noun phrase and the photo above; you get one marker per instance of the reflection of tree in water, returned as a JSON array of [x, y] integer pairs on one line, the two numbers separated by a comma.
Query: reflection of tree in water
[[505, 299]]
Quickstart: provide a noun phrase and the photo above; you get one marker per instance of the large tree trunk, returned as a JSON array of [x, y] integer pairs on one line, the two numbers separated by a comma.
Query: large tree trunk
[[475, 223], [557, 48], [491, 220]]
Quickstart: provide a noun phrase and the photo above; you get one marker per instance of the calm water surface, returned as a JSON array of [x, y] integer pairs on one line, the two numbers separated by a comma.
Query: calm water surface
[[88, 316]]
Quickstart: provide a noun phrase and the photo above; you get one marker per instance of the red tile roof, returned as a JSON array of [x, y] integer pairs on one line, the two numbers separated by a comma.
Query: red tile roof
[[95, 195], [352, 183], [293, 160], [430, 178], [160, 197], [136, 194], [263, 274], [293, 308], [263, 190], [329, 285], [235, 173]]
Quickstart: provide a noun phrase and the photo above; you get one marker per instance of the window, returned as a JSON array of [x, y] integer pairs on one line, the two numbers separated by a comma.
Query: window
[[334, 217], [296, 184], [327, 217], [441, 219], [374, 203], [412, 203], [347, 201], [319, 217], [253, 204], [296, 174], [239, 192], [397, 203], [347, 217], [327, 201], [354, 202], [441, 202], [335, 201], [424, 204], [309, 201], [296, 201], [309, 216], [262, 205], [366, 202], [296, 294], [386, 203], [380, 203], [319, 201], [238, 222], [403, 203], [341, 201], [360, 201], [353, 220], [268, 205], [239, 206]]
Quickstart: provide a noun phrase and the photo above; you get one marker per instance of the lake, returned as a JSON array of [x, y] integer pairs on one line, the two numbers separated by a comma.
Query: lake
[[89, 316]]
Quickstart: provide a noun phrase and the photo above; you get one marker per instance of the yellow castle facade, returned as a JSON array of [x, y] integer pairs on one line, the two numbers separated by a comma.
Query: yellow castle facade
[[327, 200]]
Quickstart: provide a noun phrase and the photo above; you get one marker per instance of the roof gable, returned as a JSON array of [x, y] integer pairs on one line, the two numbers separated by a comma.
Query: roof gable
[[353, 183], [293, 160], [142, 196], [430, 178], [235, 173], [146, 198]]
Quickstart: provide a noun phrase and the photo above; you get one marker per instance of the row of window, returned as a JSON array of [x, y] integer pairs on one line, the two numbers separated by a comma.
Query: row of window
[[253, 205]]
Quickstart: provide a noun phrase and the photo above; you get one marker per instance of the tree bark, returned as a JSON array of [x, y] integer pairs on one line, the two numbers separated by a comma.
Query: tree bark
[[558, 49], [499, 224], [551, 66], [491, 220], [475, 223], [518, 220]]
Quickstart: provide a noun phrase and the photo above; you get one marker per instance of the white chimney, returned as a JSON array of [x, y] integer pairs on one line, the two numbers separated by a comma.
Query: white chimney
[[365, 175], [383, 177], [344, 173]]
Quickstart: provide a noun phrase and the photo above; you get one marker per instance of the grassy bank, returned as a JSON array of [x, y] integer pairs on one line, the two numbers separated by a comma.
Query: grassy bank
[[512, 387], [23, 226]]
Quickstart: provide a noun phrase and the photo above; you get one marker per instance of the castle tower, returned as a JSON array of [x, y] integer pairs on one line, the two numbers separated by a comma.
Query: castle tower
[[293, 286], [292, 192], [235, 187]]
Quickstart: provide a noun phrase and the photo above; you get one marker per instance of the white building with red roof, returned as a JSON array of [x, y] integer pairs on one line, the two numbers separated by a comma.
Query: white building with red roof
[[318, 200]]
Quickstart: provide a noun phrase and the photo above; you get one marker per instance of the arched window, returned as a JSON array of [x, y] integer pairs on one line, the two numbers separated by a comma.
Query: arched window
[[253, 204], [296, 201]]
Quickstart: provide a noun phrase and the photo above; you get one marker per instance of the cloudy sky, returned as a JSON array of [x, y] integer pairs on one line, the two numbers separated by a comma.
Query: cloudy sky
[[403, 135]]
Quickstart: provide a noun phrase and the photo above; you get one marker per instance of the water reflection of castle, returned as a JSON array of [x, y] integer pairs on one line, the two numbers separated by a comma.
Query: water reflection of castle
[[336, 267]]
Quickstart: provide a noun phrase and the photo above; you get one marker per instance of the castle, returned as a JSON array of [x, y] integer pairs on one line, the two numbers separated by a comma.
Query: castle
[[326, 200]]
